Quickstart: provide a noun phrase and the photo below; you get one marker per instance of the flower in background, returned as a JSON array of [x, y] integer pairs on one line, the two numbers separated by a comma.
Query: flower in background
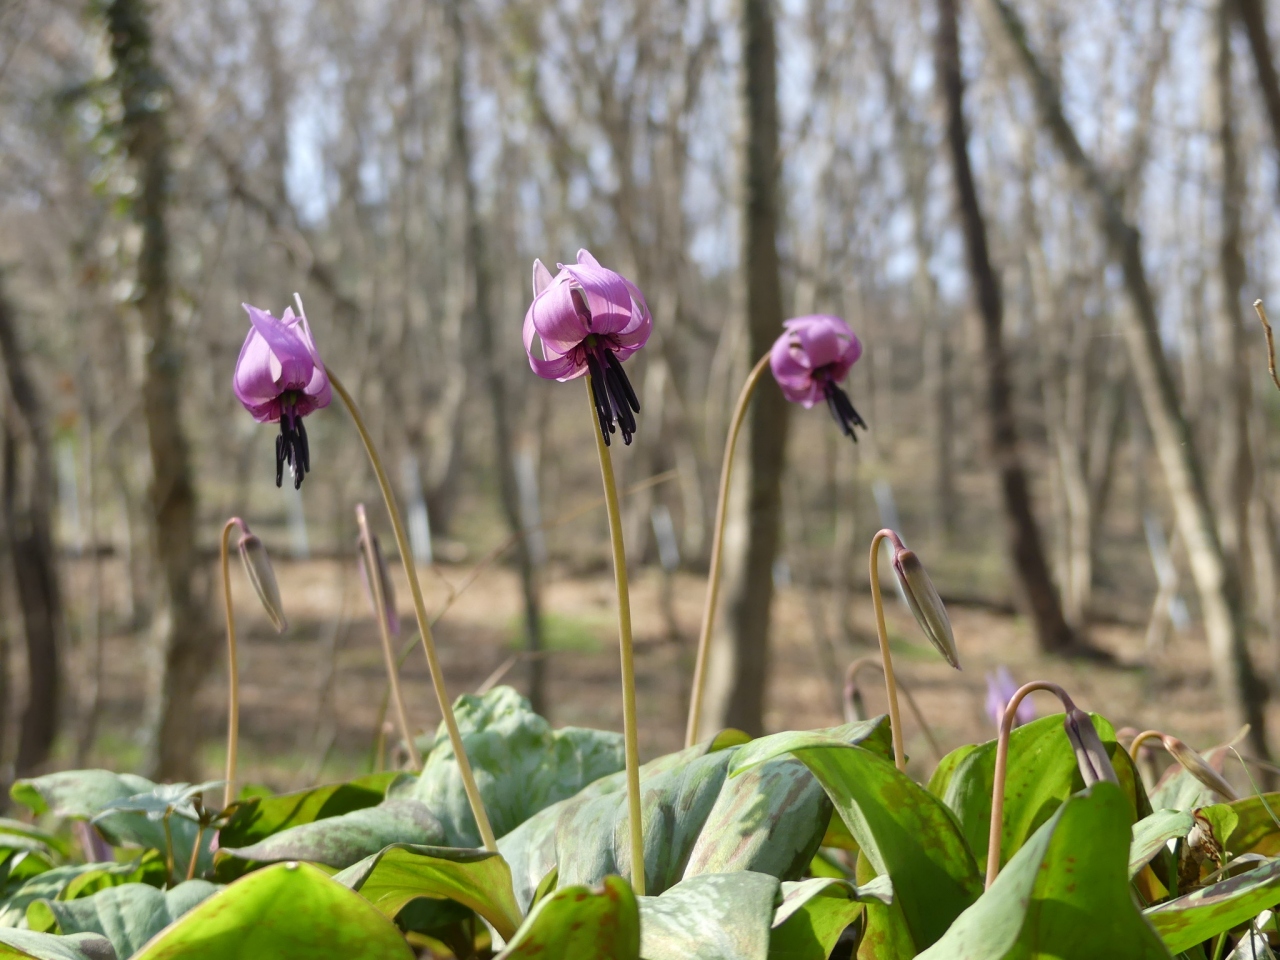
[[810, 359], [280, 378], [1000, 690], [589, 320]]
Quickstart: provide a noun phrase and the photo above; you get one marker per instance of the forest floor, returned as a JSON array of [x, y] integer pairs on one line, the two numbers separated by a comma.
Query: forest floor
[[311, 698]]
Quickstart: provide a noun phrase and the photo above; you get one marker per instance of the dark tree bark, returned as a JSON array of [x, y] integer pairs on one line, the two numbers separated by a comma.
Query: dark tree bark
[[495, 383], [181, 638], [740, 650], [28, 485], [1243, 696], [1026, 546], [1253, 14]]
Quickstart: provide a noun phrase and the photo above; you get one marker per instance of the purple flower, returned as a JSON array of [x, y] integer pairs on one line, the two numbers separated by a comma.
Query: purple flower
[[589, 320], [1000, 690], [810, 359], [280, 378]]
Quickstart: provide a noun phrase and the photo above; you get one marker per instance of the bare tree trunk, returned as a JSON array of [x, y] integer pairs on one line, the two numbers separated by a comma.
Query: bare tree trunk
[[181, 638], [740, 650], [494, 381], [1242, 695], [1026, 546], [1253, 14], [28, 484], [1233, 474]]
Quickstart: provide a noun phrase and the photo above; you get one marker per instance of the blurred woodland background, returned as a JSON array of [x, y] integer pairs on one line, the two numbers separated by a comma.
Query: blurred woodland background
[[1047, 221]]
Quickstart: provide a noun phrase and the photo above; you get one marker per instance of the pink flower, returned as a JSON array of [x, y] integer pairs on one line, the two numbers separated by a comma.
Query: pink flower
[[1000, 690], [589, 320], [280, 378], [810, 359]]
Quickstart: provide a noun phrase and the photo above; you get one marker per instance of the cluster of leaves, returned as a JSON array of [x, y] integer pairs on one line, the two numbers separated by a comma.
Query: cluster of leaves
[[788, 847]]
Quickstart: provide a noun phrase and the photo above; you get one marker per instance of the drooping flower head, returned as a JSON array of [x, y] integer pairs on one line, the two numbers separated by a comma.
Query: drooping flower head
[[280, 379], [810, 359], [589, 320], [1000, 690]]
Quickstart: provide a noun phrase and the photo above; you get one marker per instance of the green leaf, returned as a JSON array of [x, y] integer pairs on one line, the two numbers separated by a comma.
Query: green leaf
[[343, 840], [815, 912], [287, 911], [16, 835], [401, 873], [128, 915], [1150, 834], [1206, 912], [260, 817], [521, 765], [580, 923], [1256, 829], [1063, 895], [904, 831], [27, 944], [695, 821], [134, 827], [49, 884], [1042, 773], [713, 916], [79, 794]]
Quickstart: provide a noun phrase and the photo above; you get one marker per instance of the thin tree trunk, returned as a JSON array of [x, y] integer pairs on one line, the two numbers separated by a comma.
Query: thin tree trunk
[[28, 483], [1253, 14], [181, 638], [1242, 696], [494, 381], [740, 651], [1026, 545]]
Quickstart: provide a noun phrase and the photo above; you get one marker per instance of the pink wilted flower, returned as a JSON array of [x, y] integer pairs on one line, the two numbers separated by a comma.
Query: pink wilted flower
[[810, 359], [1000, 690], [280, 378], [589, 320]]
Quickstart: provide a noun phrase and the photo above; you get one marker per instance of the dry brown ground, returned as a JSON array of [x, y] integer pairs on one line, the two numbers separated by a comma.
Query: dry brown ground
[[293, 736]]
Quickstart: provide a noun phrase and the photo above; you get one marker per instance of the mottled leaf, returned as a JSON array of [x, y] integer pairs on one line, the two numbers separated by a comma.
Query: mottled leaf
[[1206, 912], [80, 794], [1150, 834], [30, 945], [713, 916], [580, 923], [128, 915], [815, 912], [259, 817]]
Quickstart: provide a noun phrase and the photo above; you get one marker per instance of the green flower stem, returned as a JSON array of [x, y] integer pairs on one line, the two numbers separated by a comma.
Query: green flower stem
[[374, 574], [233, 669], [717, 557], [890, 682], [424, 622], [1002, 766], [624, 642]]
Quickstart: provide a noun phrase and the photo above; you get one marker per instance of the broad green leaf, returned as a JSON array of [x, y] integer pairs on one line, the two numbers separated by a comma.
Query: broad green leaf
[[713, 916], [1064, 895], [1041, 774], [343, 840], [401, 873], [815, 912], [580, 923], [13, 832], [30, 945], [128, 915], [903, 830], [521, 765], [79, 794], [287, 911], [695, 821], [940, 780], [1206, 912], [1150, 834], [49, 884], [16, 869], [1256, 829], [124, 828], [260, 817]]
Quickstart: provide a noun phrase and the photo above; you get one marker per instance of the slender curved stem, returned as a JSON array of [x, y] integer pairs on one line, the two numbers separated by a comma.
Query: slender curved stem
[[851, 677], [195, 852], [717, 544], [630, 739], [233, 669], [373, 566], [424, 622], [890, 683], [1139, 740], [1002, 763]]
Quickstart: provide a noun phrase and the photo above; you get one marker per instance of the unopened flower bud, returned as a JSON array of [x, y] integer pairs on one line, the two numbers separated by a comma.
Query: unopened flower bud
[[384, 578], [253, 554], [1198, 767], [1091, 755], [924, 602]]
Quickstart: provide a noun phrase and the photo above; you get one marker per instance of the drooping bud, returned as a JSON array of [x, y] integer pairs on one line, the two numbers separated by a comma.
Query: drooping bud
[[1198, 767], [253, 554], [368, 545], [1091, 755], [923, 599]]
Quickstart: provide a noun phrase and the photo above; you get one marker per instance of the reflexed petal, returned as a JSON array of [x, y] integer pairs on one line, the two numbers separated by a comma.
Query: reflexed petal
[[555, 317], [556, 366], [290, 351], [252, 381], [793, 375], [541, 277], [607, 297]]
